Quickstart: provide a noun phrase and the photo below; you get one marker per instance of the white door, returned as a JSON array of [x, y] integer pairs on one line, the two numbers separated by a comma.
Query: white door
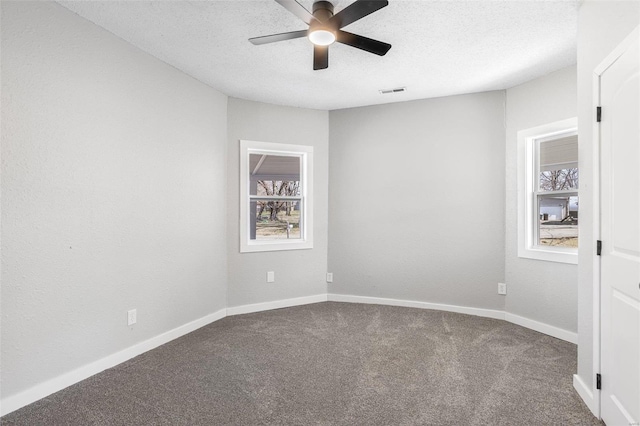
[[620, 229]]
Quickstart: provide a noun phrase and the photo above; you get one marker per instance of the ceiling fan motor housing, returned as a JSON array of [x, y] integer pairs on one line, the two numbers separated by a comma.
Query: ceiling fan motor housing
[[320, 32], [322, 10]]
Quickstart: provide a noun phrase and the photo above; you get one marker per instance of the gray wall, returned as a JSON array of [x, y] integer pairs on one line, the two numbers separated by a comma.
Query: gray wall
[[417, 200], [539, 290], [602, 25], [298, 272], [113, 195], [120, 190]]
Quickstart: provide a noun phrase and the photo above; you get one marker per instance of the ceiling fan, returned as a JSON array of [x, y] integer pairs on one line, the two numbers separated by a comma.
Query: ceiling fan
[[325, 28]]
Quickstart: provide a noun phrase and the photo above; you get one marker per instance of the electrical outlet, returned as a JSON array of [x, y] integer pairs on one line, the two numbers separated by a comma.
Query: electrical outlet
[[132, 316], [271, 277], [329, 277], [502, 288]]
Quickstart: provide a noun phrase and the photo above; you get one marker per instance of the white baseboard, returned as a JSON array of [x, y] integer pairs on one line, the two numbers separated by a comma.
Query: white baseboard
[[44, 389], [558, 333], [276, 304], [14, 402], [586, 394], [547, 329], [489, 313]]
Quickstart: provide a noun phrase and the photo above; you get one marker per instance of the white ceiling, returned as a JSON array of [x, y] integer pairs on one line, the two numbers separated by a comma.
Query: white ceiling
[[440, 48]]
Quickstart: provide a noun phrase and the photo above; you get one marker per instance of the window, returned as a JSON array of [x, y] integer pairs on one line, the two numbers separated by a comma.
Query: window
[[548, 192], [276, 187]]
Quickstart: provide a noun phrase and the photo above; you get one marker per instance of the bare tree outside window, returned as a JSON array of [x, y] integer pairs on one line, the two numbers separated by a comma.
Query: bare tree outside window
[[278, 188], [559, 180], [278, 218]]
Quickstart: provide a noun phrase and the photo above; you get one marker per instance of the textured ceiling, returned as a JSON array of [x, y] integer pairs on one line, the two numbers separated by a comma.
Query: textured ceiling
[[440, 48]]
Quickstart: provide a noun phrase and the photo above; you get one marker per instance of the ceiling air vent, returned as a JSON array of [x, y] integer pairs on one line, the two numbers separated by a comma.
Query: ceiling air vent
[[398, 90]]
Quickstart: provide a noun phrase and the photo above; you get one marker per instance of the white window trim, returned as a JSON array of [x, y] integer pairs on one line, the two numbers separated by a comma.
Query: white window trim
[[306, 190], [527, 238]]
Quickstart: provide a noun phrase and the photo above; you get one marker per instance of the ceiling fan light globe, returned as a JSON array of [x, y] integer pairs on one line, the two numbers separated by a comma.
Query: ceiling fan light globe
[[322, 37]]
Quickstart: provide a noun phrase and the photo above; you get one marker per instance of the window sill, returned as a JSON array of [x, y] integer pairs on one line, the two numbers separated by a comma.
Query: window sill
[[558, 255], [254, 247]]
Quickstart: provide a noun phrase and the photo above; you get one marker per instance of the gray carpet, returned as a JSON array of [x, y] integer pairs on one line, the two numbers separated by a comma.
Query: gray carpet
[[333, 364]]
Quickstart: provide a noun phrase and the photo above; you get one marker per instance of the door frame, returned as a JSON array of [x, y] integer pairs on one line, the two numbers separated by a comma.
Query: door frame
[[597, 225]]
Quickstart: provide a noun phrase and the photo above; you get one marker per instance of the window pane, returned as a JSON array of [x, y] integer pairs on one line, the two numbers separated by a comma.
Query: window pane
[[558, 163], [281, 188], [275, 175], [276, 220], [274, 167], [559, 180], [558, 220]]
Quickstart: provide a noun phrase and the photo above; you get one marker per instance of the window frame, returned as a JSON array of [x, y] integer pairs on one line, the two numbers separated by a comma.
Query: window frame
[[529, 192], [305, 153]]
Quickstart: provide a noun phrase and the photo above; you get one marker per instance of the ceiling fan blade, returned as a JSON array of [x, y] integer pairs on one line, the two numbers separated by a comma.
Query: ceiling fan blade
[[356, 10], [278, 37], [320, 57], [297, 9], [364, 43]]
